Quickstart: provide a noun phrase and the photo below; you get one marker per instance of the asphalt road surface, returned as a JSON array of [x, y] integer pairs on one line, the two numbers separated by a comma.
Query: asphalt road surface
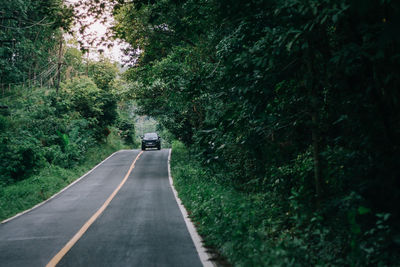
[[141, 226]]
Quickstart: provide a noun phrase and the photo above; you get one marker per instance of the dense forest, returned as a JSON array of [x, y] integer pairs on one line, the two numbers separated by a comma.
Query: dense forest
[[291, 106], [56, 102], [295, 101]]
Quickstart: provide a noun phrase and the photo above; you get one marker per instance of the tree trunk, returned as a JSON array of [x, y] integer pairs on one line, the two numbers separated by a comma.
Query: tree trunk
[[312, 89], [317, 159], [59, 64]]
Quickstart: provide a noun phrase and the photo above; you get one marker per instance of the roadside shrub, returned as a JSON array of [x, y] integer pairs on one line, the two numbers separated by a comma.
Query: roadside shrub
[[50, 128], [126, 128], [97, 106], [3, 123], [278, 227], [24, 194], [21, 157], [84, 96]]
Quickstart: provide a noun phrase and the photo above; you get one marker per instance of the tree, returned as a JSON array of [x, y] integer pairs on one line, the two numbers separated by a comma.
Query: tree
[[26, 50], [296, 99]]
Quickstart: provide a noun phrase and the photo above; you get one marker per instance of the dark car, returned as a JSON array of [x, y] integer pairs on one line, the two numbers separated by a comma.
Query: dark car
[[151, 140]]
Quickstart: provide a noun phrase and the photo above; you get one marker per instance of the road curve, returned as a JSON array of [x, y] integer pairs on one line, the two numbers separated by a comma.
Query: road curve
[[142, 225]]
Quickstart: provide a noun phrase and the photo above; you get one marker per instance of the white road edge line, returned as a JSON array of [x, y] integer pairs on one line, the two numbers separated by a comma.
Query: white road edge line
[[197, 240], [65, 188]]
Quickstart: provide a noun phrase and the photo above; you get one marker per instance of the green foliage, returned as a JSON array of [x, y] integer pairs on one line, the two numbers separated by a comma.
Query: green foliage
[[46, 136], [48, 128], [247, 229], [51, 179], [126, 128], [20, 157], [30, 31], [36, 135], [84, 96], [97, 106], [297, 100], [73, 59], [103, 73], [261, 229]]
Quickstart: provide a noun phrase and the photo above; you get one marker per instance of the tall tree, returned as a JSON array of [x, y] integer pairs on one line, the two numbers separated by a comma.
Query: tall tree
[[30, 33], [297, 99]]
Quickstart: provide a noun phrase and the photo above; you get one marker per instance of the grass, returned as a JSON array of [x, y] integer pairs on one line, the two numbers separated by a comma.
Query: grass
[[27, 193], [245, 229]]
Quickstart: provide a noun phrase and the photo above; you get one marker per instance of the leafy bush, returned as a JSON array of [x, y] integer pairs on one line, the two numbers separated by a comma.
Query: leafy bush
[[295, 100], [24, 194], [126, 128], [97, 106], [275, 229], [49, 128]]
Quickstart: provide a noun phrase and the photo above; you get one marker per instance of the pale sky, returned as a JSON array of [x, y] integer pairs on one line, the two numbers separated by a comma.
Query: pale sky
[[99, 29]]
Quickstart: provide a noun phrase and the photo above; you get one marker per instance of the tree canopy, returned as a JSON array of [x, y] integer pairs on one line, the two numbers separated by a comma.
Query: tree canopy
[[29, 34], [297, 99]]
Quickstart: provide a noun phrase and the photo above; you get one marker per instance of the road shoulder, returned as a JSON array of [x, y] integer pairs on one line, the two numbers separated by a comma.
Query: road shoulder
[[205, 257]]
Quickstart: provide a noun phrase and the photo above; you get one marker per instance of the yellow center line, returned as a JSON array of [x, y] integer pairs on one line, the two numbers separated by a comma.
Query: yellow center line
[[56, 259]]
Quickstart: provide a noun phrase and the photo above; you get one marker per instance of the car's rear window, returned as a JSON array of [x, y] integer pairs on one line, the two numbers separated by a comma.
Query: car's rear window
[[150, 135]]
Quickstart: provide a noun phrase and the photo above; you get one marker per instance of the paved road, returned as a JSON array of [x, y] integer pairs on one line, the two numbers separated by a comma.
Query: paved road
[[142, 226]]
